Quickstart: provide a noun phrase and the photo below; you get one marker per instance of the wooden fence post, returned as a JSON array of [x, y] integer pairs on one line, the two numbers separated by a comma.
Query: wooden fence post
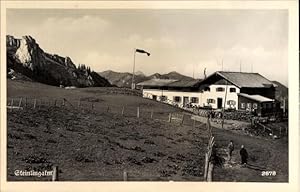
[[280, 130], [138, 112], [79, 102], [20, 102], [125, 176], [34, 103], [55, 173], [182, 120], [107, 109], [92, 105], [151, 115], [194, 123], [170, 117], [206, 166], [209, 127], [210, 172], [12, 104], [123, 109], [54, 103], [63, 102]]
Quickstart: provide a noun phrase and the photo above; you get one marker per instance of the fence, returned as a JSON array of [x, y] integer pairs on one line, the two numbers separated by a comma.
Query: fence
[[179, 117], [209, 155], [240, 115], [274, 132], [233, 115], [138, 111]]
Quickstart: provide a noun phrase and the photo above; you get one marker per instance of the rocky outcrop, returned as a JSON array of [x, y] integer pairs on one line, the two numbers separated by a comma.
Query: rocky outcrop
[[26, 57]]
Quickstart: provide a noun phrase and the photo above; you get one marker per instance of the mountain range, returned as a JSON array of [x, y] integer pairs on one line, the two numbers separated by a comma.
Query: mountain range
[[120, 79]]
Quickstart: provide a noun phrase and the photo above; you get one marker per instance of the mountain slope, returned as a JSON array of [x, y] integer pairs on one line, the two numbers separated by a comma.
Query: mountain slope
[[24, 56], [177, 76], [122, 79]]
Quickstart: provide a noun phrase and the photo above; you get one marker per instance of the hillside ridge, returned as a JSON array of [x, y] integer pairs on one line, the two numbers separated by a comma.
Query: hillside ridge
[[26, 59]]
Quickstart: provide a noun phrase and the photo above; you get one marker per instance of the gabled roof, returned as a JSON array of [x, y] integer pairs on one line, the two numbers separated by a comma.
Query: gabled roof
[[242, 79], [258, 98]]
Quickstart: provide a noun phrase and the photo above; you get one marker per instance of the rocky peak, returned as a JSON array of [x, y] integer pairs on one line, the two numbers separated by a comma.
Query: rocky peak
[[29, 53], [25, 56], [69, 63], [11, 42]]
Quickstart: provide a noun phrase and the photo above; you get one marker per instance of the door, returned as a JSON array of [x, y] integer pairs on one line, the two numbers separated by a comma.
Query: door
[[220, 103], [185, 101], [154, 97]]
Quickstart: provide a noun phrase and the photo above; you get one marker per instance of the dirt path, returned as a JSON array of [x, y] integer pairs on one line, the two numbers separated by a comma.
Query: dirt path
[[264, 155]]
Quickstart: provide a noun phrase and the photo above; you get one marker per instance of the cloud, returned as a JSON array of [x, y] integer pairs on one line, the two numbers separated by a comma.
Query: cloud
[[177, 40], [84, 24]]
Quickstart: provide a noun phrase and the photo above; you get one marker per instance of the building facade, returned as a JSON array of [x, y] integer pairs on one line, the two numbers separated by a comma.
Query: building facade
[[229, 90]]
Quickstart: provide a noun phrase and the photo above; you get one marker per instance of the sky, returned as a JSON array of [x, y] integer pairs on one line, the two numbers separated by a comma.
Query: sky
[[186, 41]]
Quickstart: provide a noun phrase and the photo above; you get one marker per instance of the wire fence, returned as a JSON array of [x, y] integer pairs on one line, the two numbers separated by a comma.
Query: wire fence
[[181, 115]]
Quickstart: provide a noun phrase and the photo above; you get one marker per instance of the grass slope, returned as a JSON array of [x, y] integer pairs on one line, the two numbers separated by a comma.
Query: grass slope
[[93, 144]]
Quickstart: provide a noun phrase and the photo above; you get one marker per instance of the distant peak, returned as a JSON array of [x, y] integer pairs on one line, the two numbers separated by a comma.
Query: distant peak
[[139, 73], [173, 72]]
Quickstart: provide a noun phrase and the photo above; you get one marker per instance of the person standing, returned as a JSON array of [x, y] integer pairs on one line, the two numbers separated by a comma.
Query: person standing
[[244, 155], [230, 149]]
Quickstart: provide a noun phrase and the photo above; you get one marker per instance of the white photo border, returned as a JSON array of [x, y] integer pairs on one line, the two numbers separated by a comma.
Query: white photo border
[[293, 84]]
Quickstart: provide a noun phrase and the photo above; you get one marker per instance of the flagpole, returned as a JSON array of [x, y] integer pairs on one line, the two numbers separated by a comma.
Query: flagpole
[[223, 110], [132, 82]]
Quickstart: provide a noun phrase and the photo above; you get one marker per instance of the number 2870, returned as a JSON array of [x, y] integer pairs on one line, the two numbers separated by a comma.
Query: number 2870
[[268, 173]]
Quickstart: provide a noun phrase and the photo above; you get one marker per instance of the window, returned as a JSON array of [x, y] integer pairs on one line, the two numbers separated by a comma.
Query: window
[[243, 105], [163, 98], [266, 105], [232, 90], [177, 99], [248, 105], [269, 105], [207, 89], [194, 100], [231, 102], [210, 101], [220, 89], [254, 105]]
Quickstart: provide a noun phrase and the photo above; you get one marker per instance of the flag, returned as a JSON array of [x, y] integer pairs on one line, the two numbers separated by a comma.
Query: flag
[[142, 51]]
